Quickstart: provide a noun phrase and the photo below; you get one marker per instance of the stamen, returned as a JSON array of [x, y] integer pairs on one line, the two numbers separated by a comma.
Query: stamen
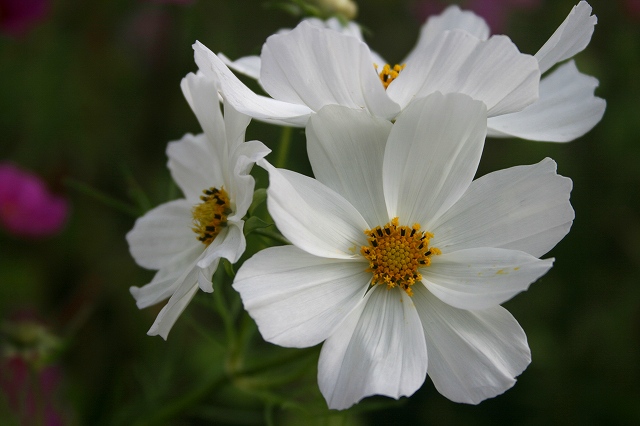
[[388, 74], [396, 252], [210, 216]]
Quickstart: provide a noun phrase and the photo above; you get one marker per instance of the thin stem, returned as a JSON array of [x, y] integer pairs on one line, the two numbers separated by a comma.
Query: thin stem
[[180, 405], [105, 199], [285, 145]]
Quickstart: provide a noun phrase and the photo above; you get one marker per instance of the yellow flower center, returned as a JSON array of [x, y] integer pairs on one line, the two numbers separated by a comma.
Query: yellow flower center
[[395, 253], [210, 216], [388, 74]]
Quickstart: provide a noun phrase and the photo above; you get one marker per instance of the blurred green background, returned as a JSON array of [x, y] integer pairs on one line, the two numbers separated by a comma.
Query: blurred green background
[[92, 95]]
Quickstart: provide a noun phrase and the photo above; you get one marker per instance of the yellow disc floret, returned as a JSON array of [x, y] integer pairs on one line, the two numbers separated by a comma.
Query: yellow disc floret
[[395, 253], [388, 74], [210, 216]]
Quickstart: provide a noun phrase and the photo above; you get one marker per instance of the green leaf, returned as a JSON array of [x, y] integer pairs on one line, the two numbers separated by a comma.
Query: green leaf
[[253, 223]]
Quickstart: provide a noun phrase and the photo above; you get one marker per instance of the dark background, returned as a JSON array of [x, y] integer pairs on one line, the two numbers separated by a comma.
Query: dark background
[[92, 95]]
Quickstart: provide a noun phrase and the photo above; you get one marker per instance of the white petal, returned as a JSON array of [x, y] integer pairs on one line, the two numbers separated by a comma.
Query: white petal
[[312, 216], [571, 37], [379, 349], [483, 277], [298, 299], [241, 184], [235, 125], [243, 99], [346, 148], [162, 235], [493, 71], [316, 67], [451, 19], [205, 276], [432, 155], [195, 165], [175, 306], [473, 355], [166, 280], [201, 92], [230, 244], [566, 110], [521, 208], [247, 65], [351, 29], [183, 289]]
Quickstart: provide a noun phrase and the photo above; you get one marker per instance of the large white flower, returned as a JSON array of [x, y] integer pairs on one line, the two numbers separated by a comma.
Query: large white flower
[[315, 65], [185, 239], [399, 261]]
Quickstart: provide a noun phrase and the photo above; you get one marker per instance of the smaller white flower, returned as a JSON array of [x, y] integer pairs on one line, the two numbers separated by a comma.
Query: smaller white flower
[[185, 239], [399, 259]]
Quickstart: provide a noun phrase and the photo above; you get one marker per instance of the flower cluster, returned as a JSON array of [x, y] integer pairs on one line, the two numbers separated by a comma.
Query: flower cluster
[[399, 260]]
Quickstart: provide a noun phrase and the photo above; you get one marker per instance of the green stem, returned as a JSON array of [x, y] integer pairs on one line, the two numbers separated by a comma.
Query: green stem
[[174, 409], [285, 145], [85, 189]]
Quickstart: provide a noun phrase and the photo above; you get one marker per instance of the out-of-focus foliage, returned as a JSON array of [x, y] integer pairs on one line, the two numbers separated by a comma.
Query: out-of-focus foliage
[[91, 96]]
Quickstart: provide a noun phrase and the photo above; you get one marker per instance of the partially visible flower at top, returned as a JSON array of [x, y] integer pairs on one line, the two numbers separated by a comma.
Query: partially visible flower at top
[[399, 261], [17, 17], [27, 208], [185, 239], [312, 66], [494, 12], [346, 8]]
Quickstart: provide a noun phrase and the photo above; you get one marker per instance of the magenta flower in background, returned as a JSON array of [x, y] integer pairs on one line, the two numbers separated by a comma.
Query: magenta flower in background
[[19, 16], [31, 394], [495, 12], [30, 383], [632, 8], [27, 208]]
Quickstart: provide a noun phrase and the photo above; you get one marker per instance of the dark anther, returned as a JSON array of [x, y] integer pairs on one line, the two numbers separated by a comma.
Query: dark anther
[[388, 231], [402, 232], [374, 243], [413, 232], [420, 246], [379, 231]]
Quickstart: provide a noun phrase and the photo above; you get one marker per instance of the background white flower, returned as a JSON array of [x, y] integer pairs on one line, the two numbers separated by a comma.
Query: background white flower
[[490, 233], [182, 239], [310, 67]]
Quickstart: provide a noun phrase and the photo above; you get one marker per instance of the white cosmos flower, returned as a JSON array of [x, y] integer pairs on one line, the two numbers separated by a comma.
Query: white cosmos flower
[[185, 239], [388, 193], [315, 65]]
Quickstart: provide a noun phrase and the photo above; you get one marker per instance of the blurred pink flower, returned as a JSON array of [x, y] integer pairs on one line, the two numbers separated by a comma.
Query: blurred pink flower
[[495, 12], [19, 16], [30, 394], [632, 8], [29, 382], [27, 208]]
